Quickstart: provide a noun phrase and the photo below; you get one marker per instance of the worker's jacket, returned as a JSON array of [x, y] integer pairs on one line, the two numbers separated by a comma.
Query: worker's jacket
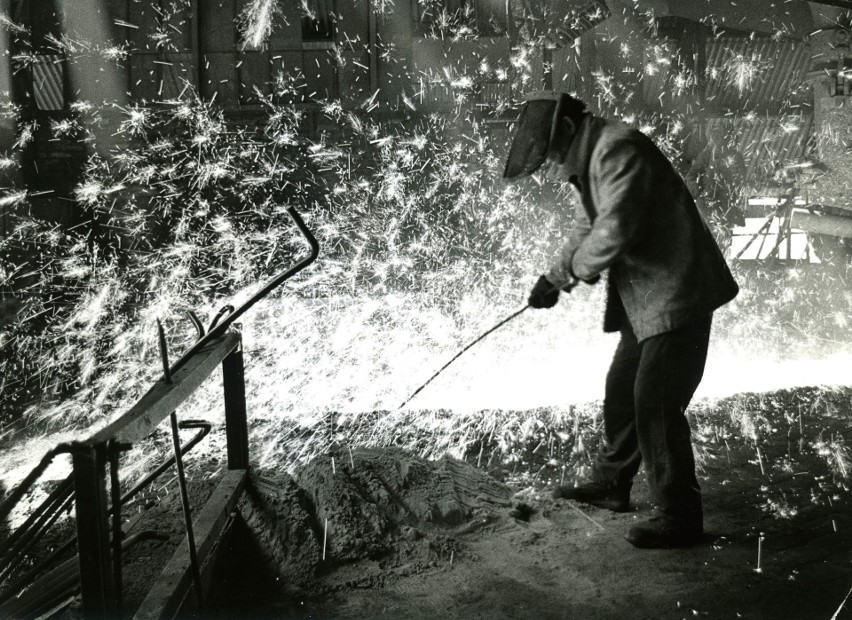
[[637, 219]]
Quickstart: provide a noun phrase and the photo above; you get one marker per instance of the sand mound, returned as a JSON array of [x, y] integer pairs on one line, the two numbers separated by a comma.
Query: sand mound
[[368, 504]]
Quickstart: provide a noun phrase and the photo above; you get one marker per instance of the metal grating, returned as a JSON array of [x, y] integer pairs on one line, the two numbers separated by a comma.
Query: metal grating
[[49, 81], [761, 75]]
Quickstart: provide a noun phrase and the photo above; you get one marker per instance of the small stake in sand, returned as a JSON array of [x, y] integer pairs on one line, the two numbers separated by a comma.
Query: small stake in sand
[[324, 538], [333, 468], [760, 460], [759, 553], [842, 605], [351, 460]]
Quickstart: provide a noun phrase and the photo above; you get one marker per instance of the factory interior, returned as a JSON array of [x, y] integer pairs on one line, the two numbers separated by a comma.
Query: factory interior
[[312, 196]]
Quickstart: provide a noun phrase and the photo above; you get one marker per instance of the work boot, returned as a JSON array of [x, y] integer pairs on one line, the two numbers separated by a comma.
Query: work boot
[[664, 532], [615, 498]]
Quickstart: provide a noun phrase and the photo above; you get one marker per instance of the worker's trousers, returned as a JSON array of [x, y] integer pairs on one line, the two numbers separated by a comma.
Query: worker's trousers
[[648, 388]]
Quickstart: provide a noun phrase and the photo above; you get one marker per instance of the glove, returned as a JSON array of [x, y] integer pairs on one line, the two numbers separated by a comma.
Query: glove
[[544, 294]]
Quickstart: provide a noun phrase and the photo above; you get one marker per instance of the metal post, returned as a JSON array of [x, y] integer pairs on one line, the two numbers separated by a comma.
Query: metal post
[[236, 424], [96, 576]]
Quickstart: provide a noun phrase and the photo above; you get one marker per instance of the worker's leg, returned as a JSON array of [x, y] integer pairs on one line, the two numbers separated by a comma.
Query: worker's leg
[[670, 369], [619, 457]]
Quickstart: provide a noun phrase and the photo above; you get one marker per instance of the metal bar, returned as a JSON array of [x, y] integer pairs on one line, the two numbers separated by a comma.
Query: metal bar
[[187, 511], [267, 288], [181, 475], [59, 583], [165, 597], [18, 555], [117, 534], [96, 582], [759, 233], [27, 579], [236, 424], [205, 429], [15, 496], [53, 502]]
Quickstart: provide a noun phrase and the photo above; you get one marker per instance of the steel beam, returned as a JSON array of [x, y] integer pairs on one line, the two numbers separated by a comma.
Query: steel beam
[[236, 424], [99, 600], [843, 4]]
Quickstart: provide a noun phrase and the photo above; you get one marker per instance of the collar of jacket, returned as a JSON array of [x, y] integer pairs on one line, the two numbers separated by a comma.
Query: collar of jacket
[[575, 166]]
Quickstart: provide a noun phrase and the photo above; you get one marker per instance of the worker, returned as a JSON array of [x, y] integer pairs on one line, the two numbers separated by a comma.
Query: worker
[[636, 221]]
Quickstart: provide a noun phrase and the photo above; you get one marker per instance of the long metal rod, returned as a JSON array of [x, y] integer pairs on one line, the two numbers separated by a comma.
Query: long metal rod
[[52, 503], [181, 476], [460, 353], [187, 511], [15, 496], [567, 286]]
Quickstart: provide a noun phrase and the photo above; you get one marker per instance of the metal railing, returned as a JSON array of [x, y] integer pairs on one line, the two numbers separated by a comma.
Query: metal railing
[[99, 540]]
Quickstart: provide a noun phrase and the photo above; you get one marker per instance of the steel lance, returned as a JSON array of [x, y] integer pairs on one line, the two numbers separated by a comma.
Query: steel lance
[[564, 287]]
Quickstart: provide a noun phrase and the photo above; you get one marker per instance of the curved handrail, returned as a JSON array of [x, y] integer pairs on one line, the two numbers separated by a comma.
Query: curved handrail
[[221, 327], [216, 330]]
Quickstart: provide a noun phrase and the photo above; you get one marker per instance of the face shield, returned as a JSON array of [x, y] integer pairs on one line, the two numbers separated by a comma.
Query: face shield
[[536, 128]]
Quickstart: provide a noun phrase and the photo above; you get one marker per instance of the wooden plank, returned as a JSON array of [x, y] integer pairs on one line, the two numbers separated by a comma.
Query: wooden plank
[[164, 398], [165, 597]]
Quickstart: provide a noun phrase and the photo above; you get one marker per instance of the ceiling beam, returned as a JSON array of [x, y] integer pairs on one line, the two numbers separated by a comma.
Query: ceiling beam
[[843, 4]]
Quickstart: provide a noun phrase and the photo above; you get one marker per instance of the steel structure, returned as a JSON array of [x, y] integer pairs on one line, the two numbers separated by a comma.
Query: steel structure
[[98, 504]]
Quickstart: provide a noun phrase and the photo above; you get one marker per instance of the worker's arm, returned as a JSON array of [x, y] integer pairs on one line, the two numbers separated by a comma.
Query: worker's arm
[[559, 270], [622, 183]]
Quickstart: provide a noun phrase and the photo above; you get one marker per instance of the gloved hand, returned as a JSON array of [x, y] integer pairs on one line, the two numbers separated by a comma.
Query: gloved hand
[[544, 294]]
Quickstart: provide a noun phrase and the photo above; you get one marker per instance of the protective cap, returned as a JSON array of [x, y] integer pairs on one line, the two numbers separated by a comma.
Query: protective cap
[[536, 128]]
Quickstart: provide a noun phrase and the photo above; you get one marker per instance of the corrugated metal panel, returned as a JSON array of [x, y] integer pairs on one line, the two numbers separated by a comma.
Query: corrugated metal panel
[[763, 142], [756, 74], [49, 82]]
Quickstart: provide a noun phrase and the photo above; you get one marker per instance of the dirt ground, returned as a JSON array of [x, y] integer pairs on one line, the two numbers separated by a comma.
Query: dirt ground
[[778, 542], [378, 532]]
